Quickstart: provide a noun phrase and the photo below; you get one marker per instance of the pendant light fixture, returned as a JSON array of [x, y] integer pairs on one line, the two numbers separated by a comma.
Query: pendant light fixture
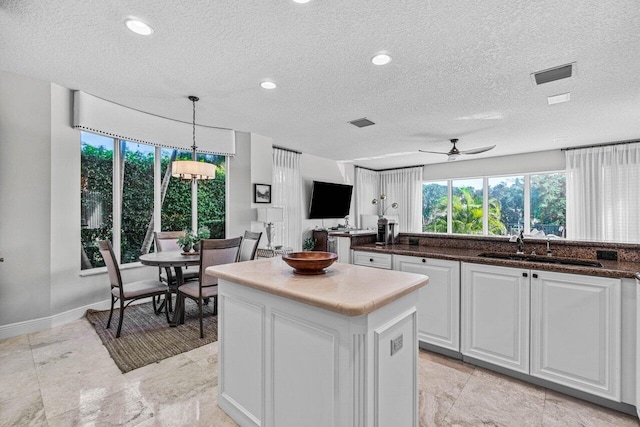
[[193, 169]]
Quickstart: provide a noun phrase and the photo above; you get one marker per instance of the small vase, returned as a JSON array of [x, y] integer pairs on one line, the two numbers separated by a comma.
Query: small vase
[[196, 247], [186, 248]]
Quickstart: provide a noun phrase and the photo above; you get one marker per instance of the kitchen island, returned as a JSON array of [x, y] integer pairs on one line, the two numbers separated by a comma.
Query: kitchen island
[[338, 349]]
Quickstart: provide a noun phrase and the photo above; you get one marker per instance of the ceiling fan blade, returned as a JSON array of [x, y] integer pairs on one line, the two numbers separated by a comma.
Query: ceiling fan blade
[[478, 150], [433, 152]]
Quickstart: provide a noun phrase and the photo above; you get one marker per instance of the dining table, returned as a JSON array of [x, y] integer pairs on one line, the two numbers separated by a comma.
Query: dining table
[[168, 260]]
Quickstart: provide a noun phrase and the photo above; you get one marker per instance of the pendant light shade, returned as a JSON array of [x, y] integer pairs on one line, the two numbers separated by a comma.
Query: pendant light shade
[[192, 169]]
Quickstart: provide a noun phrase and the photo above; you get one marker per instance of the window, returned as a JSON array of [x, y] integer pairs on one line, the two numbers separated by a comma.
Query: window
[[435, 205], [175, 195], [136, 237], [548, 203], [120, 207], [496, 206], [505, 205], [96, 196], [467, 206], [211, 199]]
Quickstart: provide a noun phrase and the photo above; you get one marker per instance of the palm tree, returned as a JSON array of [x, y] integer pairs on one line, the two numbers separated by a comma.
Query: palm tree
[[467, 213]]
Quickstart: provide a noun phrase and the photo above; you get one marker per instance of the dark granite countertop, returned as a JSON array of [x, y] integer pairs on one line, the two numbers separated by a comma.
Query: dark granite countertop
[[615, 269]]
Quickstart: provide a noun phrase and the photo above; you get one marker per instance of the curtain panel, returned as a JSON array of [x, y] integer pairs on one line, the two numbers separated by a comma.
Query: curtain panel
[[603, 193], [366, 188], [404, 186], [287, 193]]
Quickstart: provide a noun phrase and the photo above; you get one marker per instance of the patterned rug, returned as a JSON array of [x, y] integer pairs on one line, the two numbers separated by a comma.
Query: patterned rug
[[147, 338]]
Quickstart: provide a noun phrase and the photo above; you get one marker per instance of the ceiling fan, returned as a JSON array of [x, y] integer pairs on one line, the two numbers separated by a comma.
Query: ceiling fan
[[454, 153]]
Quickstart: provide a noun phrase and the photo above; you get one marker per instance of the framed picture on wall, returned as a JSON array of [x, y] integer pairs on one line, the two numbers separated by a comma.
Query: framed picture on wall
[[261, 193]]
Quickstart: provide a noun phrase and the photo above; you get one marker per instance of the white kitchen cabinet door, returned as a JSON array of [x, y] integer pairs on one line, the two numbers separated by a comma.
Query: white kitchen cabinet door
[[495, 315], [439, 301], [575, 334]]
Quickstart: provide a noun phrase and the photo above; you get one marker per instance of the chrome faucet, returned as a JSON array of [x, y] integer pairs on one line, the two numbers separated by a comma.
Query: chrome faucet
[[519, 239], [548, 248]]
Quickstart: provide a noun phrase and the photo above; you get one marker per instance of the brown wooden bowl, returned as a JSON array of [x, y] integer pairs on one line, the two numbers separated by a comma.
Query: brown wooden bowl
[[310, 263]]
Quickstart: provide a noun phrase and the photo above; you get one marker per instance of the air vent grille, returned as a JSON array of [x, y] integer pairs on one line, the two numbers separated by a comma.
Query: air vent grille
[[361, 123], [553, 74]]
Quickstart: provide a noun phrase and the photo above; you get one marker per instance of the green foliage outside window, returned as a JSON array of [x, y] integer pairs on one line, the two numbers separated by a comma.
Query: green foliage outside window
[[137, 201], [505, 206]]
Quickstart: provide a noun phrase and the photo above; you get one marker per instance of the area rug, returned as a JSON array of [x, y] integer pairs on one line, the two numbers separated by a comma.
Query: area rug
[[147, 338]]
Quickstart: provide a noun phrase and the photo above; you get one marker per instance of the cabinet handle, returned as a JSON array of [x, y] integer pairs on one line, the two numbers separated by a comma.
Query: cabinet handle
[[525, 275], [535, 276], [424, 260], [370, 259]]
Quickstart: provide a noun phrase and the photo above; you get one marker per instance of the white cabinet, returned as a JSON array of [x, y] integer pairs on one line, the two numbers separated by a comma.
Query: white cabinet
[[343, 249], [495, 315], [575, 331], [372, 259], [439, 301]]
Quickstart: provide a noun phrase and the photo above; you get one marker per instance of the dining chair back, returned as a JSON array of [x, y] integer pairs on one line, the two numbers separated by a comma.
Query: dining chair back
[[249, 246], [212, 252], [167, 240], [128, 291]]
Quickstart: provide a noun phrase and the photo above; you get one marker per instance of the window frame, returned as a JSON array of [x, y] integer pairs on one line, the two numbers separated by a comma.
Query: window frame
[[485, 196], [116, 240]]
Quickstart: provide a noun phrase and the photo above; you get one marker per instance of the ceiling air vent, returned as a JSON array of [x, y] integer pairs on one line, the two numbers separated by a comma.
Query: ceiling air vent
[[362, 123], [553, 74]]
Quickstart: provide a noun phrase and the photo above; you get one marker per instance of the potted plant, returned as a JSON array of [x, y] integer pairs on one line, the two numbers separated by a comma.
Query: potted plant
[[308, 244], [202, 233], [186, 241]]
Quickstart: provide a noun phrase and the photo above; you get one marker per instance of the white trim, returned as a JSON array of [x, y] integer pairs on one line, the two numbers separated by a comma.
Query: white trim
[[43, 323]]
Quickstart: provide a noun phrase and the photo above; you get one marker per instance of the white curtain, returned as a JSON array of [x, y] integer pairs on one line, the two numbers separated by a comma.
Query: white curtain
[[287, 193], [366, 188], [404, 186], [603, 193]]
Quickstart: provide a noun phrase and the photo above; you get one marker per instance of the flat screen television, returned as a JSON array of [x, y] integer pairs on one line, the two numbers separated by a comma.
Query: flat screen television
[[330, 200]]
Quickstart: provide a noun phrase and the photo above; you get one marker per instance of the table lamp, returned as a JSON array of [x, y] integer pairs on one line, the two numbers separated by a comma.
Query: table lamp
[[269, 216]]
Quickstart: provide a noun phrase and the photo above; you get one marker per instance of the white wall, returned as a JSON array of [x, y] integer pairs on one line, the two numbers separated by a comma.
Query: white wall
[[25, 138], [252, 164], [315, 168], [542, 161]]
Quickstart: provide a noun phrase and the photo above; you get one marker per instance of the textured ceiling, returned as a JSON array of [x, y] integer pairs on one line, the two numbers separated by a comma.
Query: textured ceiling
[[460, 69]]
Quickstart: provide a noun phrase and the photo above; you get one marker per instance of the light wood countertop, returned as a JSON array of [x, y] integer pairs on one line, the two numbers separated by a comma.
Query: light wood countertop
[[347, 289]]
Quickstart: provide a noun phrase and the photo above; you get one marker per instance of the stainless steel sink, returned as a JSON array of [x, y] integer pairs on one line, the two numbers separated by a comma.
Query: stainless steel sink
[[541, 258]]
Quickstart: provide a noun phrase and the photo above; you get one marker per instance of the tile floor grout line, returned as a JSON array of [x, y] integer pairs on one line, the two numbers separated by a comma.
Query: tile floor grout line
[[44, 410], [459, 394]]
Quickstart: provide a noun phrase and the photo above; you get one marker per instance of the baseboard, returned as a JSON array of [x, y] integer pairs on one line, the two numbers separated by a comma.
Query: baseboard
[[42, 323]]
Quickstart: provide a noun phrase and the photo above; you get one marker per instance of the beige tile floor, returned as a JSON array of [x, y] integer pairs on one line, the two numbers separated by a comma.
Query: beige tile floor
[[65, 377]]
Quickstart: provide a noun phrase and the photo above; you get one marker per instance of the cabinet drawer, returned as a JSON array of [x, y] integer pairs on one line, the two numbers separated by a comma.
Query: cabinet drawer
[[371, 259]]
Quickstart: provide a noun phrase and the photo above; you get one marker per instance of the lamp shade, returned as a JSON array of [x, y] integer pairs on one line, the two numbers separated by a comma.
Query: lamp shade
[[190, 169], [268, 215]]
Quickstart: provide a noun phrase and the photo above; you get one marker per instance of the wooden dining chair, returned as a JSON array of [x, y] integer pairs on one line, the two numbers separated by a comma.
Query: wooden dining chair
[[212, 252], [128, 292], [249, 246]]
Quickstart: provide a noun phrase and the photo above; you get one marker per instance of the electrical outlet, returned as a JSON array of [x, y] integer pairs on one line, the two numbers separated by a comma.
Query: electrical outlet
[[608, 255], [396, 344]]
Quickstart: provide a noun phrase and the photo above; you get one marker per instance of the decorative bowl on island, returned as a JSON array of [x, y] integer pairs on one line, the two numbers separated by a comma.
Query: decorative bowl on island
[[310, 263]]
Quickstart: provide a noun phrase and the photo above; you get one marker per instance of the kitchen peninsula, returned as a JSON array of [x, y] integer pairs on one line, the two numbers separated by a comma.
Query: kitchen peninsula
[[334, 349]]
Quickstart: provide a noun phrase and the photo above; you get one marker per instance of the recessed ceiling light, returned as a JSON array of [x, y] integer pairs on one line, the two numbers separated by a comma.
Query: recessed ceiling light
[[268, 85], [381, 59], [302, 1], [138, 27], [557, 99]]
